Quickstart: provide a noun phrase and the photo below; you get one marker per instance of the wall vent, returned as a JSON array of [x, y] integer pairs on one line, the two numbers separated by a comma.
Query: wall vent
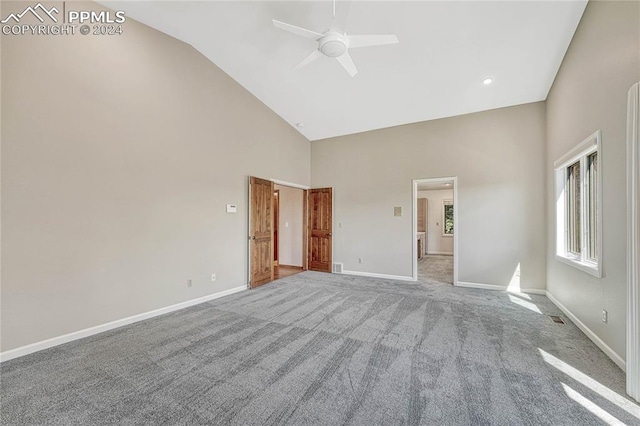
[[337, 268], [557, 319]]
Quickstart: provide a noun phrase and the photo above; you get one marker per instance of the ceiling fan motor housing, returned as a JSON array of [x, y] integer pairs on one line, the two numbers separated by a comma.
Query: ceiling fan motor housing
[[333, 44]]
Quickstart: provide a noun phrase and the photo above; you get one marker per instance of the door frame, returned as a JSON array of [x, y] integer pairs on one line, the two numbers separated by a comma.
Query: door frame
[[414, 223], [276, 218], [632, 363], [305, 218], [305, 189]]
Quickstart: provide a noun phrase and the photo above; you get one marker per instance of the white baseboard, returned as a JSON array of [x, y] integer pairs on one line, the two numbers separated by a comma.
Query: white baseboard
[[441, 253], [374, 275], [55, 341], [590, 334], [501, 288]]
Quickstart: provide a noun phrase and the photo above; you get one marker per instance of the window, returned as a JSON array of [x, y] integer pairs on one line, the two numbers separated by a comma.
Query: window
[[447, 217], [578, 207]]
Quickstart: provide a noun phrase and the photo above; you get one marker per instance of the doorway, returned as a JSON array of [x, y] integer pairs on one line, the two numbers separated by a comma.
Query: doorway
[[302, 238], [289, 232], [435, 260]]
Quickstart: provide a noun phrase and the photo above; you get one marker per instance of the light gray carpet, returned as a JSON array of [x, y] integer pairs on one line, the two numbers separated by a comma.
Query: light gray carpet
[[321, 349], [436, 269]]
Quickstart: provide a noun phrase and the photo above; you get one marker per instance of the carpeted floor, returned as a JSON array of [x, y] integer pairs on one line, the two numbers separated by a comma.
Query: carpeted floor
[[322, 349], [435, 269]]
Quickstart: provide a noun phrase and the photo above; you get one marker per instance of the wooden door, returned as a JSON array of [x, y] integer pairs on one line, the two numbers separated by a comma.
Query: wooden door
[[260, 231], [320, 229]]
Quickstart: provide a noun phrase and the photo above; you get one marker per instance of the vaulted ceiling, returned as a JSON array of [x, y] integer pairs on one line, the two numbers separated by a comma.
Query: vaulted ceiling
[[445, 52]]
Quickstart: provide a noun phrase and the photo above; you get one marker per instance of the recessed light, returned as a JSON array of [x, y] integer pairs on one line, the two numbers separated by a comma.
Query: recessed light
[[487, 81], [300, 125]]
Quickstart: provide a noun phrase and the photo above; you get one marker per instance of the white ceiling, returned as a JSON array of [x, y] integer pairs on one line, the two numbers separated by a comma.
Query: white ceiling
[[446, 49]]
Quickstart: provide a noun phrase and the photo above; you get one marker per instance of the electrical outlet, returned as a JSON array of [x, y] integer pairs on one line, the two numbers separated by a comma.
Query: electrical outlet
[[605, 316], [213, 278], [189, 283], [360, 260]]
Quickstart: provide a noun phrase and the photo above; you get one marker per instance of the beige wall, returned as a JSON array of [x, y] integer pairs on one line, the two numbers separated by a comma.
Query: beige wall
[[498, 157], [119, 154], [589, 94], [436, 242], [290, 225]]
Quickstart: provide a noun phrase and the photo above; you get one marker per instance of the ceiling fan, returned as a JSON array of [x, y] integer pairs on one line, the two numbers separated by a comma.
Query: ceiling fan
[[334, 42]]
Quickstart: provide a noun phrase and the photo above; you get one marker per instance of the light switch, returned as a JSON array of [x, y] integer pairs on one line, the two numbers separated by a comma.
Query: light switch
[[232, 208], [397, 211]]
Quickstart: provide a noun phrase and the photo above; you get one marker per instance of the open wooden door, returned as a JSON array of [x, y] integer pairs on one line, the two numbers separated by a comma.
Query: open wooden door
[[320, 229], [260, 231]]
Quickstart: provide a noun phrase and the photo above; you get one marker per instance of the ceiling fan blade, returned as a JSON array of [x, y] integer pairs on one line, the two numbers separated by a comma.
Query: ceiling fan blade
[[347, 63], [340, 15], [308, 59], [297, 30], [356, 41]]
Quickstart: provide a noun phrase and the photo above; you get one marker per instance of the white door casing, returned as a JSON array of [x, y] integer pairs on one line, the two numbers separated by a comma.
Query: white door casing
[[633, 242]]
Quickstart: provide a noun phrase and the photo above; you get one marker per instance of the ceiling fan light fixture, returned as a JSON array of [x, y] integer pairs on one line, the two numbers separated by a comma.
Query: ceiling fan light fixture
[[332, 45]]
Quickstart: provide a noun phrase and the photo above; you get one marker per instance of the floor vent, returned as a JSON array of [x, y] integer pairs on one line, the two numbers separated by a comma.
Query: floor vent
[[337, 268], [557, 319]]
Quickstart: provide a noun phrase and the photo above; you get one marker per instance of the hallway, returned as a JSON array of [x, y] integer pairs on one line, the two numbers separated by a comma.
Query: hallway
[[436, 269]]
